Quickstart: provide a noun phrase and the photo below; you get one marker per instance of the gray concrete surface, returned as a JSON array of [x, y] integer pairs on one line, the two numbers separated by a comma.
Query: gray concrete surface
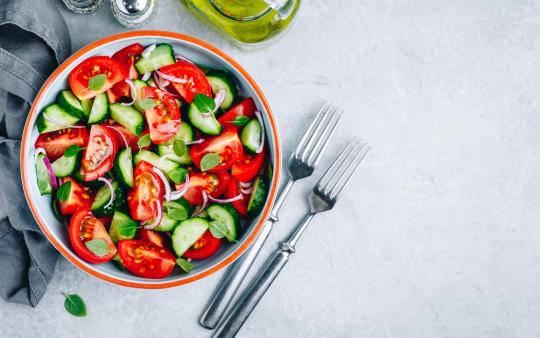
[[438, 235]]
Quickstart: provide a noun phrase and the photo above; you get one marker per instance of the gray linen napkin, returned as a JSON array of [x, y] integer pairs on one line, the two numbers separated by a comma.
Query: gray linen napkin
[[34, 39]]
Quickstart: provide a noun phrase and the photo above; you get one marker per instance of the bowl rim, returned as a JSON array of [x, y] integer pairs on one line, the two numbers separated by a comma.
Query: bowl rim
[[264, 215]]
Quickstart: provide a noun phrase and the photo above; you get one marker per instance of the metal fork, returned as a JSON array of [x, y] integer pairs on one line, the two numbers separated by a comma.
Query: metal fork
[[301, 164], [323, 197]]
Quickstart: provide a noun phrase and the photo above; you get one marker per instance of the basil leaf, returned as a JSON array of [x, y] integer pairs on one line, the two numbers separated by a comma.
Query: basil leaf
[[184, 265], [98, 246], [144, 141], [56, 211], [64, 191], [219, 230], [179, 147], [97, 82], [72, 150], [209, 161], [204, 103], [178, 214], [178, 175], [240, 120], [147, 104], [127, 230], [74, 304]]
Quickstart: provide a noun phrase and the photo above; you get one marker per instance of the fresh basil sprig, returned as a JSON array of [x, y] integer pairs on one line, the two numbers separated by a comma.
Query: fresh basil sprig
[[74, 304], [64, 191], [144, 141], [72, 150], [209, 161], [97, 246], [204, 103], [184, 264], [219, 230], [97, 82]]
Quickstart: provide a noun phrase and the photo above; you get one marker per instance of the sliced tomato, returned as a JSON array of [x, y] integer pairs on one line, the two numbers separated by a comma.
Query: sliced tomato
[[205, 247], [146, 197], [99, 156], [79, 196], [55, 143], [123, 135], [164, 118], [227, 145], [112, 97], [127, 57], [95, 65], [85, 227], [153, 237], [196, 80], [121, 89], [248, 167], [199, 182], [245, 108], [146, 259], [233, 189]]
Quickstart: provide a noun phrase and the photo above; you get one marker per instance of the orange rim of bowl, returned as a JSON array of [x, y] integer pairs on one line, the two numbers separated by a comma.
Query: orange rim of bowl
[[271, 196]]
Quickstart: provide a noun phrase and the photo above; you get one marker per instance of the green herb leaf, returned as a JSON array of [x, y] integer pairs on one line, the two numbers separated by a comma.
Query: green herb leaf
[[204, 103], [97, 82], [240, 120], [179, 147], [177, 175], [144, 141], [74, 304], [184, 265], [55, 210], [217, 229], [127, 230], [147, 104], [175, 212], [98, 246], [64, 191], [209, 161], [72, 150]]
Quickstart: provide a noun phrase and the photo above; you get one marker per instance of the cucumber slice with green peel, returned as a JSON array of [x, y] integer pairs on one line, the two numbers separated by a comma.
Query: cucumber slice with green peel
[[122, 227], [127, 116], [251, 135], [162, 163], [70, 103], [166, 224], [187, 233], [208, 125], [258, 196], [54, 112], [65, 166], [162, 55], [163, 150], [87, 106], [226, 215], [100, 109], [123, 167], [173, 213], [139, 85], [220, 79], [204, 214], [99, 206], [43, 177]]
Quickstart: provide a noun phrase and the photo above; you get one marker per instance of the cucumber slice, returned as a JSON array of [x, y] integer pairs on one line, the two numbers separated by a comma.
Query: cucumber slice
[[139, 85], [86, 106], [122, 227], [99, 206], [64, 166], [173, 213], [162, 55], [56, 113], [187, 233], [166, 224], [185, 133], [123, 167], [164, 164], [99, 111], [251, 135], [208, 125], [70, 103], [127, 116], [226, 215], [43, 177], [258, 196], [220, 79]]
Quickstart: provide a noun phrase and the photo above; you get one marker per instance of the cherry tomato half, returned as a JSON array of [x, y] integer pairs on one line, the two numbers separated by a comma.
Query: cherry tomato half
[[99, 155], [233, 189], [213, 184], [95, 65], [55, 143], [146, 259], [164, 118], [79, 196], [127, 57], [83, 228], [248, 167], [153, 237], [205, 247], [227, 145], [147, 194], [245, 108], [196, 80]]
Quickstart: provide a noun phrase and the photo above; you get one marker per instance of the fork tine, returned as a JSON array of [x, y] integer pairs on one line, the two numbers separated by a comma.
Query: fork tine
[[323, 110], [324, 139], [349, 171], [315, 135], [333, 169]]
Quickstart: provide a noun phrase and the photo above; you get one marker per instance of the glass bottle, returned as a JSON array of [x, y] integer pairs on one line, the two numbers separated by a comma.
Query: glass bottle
[[248, 23], [83, 6]]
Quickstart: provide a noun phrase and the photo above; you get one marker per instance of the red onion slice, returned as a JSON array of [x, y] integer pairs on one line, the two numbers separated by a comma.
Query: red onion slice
[[171, 78], [261, 145], [182, 58], [60, 123], [246, 191], [145, 53], [121, 134], [220, 97], [109, 185], [48, 165], [245, 184], [199, 141], [146, 76], [165, 183], [228, 200], [179, 193], [200, 208], [157, 220], [133, 93], [161, 86]]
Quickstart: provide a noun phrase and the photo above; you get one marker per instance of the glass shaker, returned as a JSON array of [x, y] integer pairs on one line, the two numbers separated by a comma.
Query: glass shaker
[[248, 23]]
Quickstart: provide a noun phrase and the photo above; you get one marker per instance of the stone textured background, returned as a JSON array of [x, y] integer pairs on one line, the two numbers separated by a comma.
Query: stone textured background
[[438, 234]]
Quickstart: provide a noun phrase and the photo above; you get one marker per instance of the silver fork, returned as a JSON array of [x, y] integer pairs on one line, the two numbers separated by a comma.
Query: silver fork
[[301, 164], [323, 197]]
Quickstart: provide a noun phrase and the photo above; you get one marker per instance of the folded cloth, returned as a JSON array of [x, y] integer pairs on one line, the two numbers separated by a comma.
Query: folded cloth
[[34, 39]]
